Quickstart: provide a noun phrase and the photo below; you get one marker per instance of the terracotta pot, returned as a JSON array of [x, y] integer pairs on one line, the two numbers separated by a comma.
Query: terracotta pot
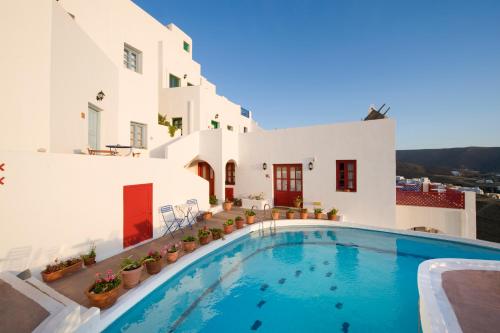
[[131, 278], [48, 277], [318, 216], [276, 216], [172, 256], [239, 224], [207, 216], [290, 215], [89, 261], [153, 267], [104, 300], [216, 236], [189, 246], [205, 240], [332, 217], [227, 206], [304, 216], [228, 229], [297, 204], [250, 219]]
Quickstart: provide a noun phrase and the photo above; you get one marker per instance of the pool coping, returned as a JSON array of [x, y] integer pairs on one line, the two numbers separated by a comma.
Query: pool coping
[[436, 311], [134, 296]]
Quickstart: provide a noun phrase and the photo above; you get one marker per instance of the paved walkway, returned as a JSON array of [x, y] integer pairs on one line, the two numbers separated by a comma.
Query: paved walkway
[[73, 286]]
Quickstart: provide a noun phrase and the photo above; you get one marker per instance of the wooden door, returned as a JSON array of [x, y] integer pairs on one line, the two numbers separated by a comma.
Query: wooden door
[[287, 184], [94, 127], [205, 171], [137, 213]]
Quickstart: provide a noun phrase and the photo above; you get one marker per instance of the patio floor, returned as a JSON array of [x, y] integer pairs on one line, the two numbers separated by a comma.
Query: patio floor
[[73, 286]]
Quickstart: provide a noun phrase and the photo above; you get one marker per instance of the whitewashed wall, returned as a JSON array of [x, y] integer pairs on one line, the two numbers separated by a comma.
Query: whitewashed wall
[[450, 221], [52, 205], [370, 143]]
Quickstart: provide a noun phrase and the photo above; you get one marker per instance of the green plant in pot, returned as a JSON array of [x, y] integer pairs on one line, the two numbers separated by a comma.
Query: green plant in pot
[[227, 205], [250, 215], [290, 214], [332, 214], [240, 222], [304, 214], [89, 257], [105, 290], [275, 213], [131, 272], [171, 251], [213, 200], [189, 243], [153, 262], [204, 236], [228, 226], [318, 213], [216, 233]]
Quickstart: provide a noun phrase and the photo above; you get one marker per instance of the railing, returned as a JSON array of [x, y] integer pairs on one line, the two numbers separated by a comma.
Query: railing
[[446, 199]]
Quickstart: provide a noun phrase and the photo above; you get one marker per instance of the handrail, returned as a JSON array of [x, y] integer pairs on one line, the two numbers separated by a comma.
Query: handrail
[[271, 224]]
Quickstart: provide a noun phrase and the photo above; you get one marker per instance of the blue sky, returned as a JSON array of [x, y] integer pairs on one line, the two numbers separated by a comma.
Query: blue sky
[[297, 62]]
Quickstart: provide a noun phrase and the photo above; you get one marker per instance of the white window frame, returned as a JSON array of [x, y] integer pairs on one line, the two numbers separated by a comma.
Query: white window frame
[[134, 126], [129, 53]]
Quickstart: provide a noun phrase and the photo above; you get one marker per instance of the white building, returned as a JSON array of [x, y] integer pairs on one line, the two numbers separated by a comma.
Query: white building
[[82, 76]]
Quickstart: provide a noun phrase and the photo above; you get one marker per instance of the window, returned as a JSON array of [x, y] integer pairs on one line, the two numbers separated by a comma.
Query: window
[[346, 175], [187, 47], [132, 58], [174, 81], [229, 127], [138, 135], [230, 173], [177, 122]]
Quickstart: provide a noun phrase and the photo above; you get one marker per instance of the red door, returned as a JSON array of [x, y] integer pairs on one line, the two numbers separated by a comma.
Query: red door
[[287, 184], [137, 213], [229, 193], [205, 171]]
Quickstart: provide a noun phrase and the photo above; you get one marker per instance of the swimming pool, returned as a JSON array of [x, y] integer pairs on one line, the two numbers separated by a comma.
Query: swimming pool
[[298, 280]]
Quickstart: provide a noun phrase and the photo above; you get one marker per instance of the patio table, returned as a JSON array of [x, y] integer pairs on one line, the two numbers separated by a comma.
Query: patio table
[[118, 146]]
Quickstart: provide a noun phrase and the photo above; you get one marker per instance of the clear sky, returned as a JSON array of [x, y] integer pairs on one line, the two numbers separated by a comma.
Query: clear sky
[[293, 63]]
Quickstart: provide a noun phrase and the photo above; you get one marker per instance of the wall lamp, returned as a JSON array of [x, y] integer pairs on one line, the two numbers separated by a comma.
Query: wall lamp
[[311, 165], [264, 166], [100, 96]]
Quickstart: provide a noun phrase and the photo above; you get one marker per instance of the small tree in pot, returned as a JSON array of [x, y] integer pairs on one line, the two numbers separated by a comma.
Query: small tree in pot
[[250, 214], [153, 262], [290, 214], [228, 226], [189, 243], [131, 272], [105, 290], [318, 213], [332, 214], [240, 223], [204, 236], [304, 213], [275, 213]]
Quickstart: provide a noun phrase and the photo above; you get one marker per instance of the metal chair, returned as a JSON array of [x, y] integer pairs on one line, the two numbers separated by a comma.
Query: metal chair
[[172, 222], [194, 212]]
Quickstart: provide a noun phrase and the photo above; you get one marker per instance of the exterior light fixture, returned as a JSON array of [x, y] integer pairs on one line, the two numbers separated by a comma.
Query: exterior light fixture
[[185, 76], [311, 165], [216, 116], [264, 166], [100, 96]]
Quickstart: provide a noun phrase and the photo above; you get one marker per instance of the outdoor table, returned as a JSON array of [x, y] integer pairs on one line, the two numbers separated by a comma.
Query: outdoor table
[[118, 146]]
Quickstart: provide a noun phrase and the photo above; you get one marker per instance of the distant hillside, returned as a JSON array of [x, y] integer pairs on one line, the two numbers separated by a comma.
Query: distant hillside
[[420, 162]]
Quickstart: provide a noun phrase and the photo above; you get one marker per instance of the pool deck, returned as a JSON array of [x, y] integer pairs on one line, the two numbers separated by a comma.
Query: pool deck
[[73, 286], [475, 298]]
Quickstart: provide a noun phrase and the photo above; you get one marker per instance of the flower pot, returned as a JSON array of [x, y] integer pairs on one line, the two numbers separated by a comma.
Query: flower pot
[[216, 236], [207, 216], [131, 278], [250, 219], [48, 277], [239, 224], [228, 229], [276, 216], [189, 246], [318, 216], [153, 267], [290, 215], [304, 215], [205, 240], [88, 261], [103, 300], [297, 204], [172, 256], [332, 217], [227, 206]]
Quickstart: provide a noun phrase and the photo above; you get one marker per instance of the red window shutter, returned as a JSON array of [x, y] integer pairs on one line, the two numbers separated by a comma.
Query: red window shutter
[[346, 175]]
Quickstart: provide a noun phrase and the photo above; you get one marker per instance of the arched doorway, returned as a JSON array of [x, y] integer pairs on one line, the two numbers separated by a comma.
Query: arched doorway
[[205, 171]]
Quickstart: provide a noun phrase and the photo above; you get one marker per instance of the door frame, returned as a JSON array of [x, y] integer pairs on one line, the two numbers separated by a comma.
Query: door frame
[[211, 176], [289, 196], [97, 111]]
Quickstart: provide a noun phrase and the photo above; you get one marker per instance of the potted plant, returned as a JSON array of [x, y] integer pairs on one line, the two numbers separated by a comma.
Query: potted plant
[[153, 262], [250, 214], [290, 214], [189, 243], [105, 290], [318, 213], [237, 202], [228, 226], [213, 200], [172, 252], [207, 215], [227, 205], [239, 222], [216, 233], [275, 213], [332, 214], [204, 236], [304, 213], [298, 201], [59, 269], [89, 257], [131, 272]]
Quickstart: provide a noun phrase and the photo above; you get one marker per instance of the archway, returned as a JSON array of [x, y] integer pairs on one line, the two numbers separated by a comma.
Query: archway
[[205, 171]]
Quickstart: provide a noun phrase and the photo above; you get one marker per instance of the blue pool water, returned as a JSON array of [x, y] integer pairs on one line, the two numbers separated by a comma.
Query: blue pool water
[[308, 280]]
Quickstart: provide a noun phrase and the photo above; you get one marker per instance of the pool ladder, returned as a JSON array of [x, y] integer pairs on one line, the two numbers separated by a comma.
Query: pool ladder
[[272, 224]]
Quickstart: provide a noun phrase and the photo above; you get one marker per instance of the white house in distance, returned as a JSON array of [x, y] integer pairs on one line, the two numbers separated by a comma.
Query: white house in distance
[[82, 77]]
